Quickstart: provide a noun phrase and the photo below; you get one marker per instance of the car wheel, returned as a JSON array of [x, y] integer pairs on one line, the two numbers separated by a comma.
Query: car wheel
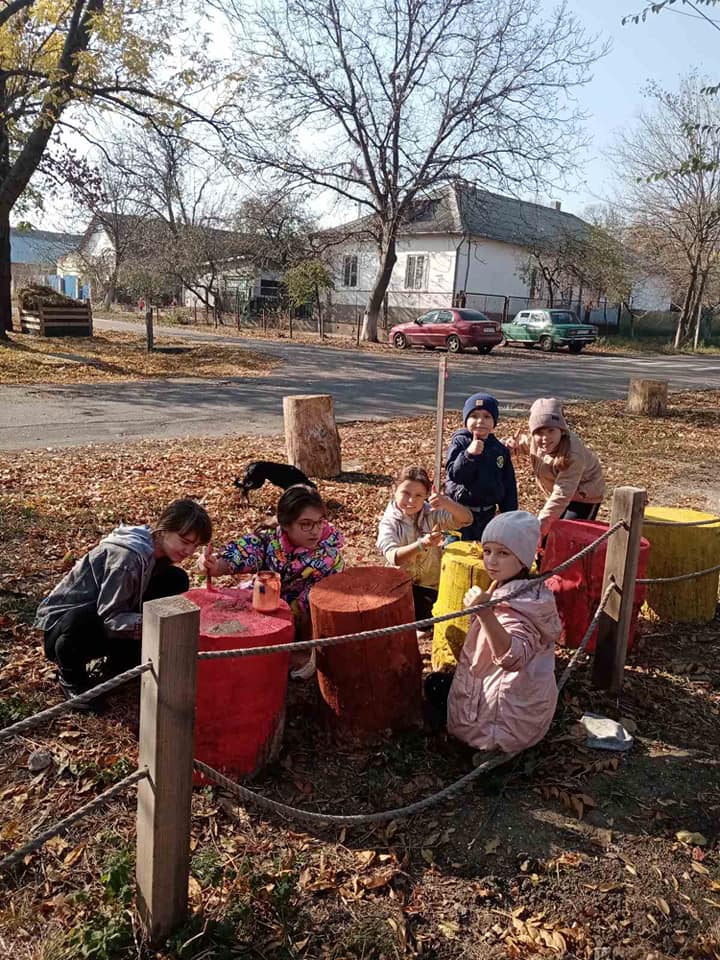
[[575, 347], [454, 344], [546, 344], [400, 341], [484, 349]]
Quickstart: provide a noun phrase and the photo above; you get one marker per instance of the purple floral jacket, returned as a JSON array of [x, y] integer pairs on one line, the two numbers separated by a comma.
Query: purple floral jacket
[[299, 568]]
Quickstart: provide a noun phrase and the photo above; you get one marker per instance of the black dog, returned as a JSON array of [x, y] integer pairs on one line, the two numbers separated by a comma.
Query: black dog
[[281, 474]]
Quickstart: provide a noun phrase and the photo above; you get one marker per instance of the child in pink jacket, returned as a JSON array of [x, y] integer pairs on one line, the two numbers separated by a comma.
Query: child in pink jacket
[[503, 694]]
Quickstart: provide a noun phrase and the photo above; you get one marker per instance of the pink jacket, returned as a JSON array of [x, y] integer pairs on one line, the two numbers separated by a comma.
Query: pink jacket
[[508, 703]]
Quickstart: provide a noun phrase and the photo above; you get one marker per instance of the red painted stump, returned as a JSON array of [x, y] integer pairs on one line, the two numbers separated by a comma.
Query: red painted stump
[[369, 685], [240, 713]]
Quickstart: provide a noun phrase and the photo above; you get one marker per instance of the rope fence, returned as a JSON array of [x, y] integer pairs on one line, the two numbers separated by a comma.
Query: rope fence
[[32, 846], [683, 576], [361, 819], [29, 723]]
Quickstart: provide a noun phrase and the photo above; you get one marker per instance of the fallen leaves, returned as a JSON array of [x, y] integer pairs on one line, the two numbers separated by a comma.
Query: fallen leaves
[[690, 838], [576, 803]]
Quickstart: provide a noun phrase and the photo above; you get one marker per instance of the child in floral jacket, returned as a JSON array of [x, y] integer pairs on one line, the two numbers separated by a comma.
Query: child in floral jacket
[[303, 548]]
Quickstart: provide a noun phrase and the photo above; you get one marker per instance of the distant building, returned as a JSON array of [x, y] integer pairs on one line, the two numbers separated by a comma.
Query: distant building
[[34, 256]]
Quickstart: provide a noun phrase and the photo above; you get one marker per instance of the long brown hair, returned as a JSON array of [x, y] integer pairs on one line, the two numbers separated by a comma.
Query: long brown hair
[[561, 457]]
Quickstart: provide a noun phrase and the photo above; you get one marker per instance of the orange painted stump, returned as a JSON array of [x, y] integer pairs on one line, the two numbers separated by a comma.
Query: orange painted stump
[[240, 715], [369, 685]]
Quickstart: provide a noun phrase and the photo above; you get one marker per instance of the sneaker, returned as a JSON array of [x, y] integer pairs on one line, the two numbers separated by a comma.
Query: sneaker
[[73, 688], [307, 670]]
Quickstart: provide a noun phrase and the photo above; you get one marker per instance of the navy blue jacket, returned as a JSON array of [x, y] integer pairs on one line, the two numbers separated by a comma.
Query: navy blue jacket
[[487, 480]]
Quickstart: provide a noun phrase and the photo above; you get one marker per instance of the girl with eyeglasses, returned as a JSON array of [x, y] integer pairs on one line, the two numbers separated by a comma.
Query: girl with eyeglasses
[[303, 548]]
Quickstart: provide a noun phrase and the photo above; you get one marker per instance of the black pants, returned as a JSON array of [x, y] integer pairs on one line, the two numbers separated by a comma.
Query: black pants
[[579, 510], [437, 690], [424, 598], [80, 636]]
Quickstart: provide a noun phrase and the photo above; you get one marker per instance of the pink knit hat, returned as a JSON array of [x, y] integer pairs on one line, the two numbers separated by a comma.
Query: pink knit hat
[[547, 412]]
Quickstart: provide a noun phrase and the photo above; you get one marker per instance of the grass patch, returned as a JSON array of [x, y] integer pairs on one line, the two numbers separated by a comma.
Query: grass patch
[[644, 345], [112, 356]]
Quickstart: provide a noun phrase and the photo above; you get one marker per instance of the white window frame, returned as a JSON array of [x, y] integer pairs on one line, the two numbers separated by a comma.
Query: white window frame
[[350, 270], [416, 267]]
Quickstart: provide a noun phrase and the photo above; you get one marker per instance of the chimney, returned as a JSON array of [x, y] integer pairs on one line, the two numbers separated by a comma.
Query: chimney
[[557, 204]]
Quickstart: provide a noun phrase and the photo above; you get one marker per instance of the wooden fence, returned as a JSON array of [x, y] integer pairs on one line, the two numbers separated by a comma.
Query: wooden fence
[[58, 320]]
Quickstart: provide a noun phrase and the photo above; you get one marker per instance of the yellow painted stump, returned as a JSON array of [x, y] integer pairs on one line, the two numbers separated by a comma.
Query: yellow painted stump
[[675, 550], [461, 568]]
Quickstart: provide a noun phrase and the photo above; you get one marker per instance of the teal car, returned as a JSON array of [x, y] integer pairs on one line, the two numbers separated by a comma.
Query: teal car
[[549, 328]]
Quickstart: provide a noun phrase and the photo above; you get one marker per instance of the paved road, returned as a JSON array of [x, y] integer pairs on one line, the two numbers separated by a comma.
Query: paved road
[[365, 385]]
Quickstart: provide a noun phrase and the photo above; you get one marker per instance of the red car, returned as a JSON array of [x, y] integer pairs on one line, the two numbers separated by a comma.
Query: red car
[[457, 329]]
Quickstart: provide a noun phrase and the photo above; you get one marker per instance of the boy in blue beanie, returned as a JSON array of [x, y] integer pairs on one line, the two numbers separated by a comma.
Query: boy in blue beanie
[[480, 473]]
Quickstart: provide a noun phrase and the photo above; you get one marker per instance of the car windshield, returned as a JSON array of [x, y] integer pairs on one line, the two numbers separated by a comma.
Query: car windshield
[[563, 317], [471, 315]]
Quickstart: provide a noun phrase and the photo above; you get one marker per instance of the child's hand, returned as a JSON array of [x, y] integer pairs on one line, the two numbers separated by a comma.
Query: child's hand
[[433, 539], [440, 501], [546, 525], [475, 596], [212, 565], [517, 443], [476, 446]]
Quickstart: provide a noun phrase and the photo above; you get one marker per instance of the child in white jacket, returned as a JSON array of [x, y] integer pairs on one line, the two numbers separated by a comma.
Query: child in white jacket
[[411, 532]]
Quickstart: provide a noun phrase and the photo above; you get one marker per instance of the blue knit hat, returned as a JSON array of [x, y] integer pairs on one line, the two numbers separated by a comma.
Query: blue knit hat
[[482, 401]]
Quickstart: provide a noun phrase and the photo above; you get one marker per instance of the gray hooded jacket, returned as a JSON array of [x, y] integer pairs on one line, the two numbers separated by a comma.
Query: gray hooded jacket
[[112, 578]]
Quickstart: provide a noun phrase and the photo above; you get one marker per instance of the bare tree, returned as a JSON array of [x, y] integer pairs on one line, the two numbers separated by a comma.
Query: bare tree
[[383, 102], [277, 226], [675, 221]]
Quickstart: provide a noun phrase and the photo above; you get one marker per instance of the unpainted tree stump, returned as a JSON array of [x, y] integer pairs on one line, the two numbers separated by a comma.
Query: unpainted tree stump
[[311, 436], [647, 397], [368, 685]]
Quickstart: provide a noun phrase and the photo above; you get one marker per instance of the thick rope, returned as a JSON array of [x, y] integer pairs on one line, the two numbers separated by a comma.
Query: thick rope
[[353, 820], [683, 576], [673, 523], [350, 820], [588, 633], [29, 723], [17, 856], [416, 624]]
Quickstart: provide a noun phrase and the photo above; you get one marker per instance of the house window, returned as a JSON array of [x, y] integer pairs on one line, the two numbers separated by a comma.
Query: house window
[[350, 270], [415, 272]]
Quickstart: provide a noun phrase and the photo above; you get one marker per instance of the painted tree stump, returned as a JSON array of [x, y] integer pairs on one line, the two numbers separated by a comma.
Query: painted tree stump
[[461, 568], [368, 685], [240, 703], [647, 397], [677, 550], [311, 436]]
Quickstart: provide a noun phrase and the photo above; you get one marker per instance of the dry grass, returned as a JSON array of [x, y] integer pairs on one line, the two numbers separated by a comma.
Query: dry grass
[[111, 356], [506, 870]]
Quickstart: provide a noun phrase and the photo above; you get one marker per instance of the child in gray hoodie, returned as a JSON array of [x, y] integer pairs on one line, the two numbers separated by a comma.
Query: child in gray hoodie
[[96, 610]]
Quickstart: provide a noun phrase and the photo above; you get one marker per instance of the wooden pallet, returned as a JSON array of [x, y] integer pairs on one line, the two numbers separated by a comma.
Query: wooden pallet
[[58, 320]]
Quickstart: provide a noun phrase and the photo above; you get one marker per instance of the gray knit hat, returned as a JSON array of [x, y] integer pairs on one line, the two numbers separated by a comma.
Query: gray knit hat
[[547, 412], [517, 530]]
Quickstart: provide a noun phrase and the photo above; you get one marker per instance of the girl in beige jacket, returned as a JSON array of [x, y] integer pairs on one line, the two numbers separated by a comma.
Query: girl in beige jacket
[[567, 472]]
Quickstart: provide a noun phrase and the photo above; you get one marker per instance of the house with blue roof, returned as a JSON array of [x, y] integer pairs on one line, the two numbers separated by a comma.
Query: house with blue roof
[[34, 255]]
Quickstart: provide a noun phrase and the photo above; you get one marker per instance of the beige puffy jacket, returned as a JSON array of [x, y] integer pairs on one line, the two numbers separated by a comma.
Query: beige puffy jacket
[[581, 480]]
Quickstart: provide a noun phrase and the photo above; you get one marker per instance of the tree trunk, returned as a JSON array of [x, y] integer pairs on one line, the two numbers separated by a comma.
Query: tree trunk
[[647, 397], [109, 297], [311, 436], [684, 319], [388, 259], [5, 274]]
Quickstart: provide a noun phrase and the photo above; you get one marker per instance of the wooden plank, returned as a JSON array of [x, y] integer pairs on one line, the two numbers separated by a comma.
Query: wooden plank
[[621, 562], [167, 720]]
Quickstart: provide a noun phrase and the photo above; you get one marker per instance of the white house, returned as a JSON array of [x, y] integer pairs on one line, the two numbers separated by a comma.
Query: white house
[[459, 245]]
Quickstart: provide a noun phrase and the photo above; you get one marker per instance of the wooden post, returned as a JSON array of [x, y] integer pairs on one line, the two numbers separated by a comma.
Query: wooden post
[[621, 562], [149, 334], [647, 397], [171, 628], [442, 377]]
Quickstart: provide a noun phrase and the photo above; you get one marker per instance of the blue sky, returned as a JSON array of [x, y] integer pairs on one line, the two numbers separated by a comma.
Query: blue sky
[[664, 48]]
